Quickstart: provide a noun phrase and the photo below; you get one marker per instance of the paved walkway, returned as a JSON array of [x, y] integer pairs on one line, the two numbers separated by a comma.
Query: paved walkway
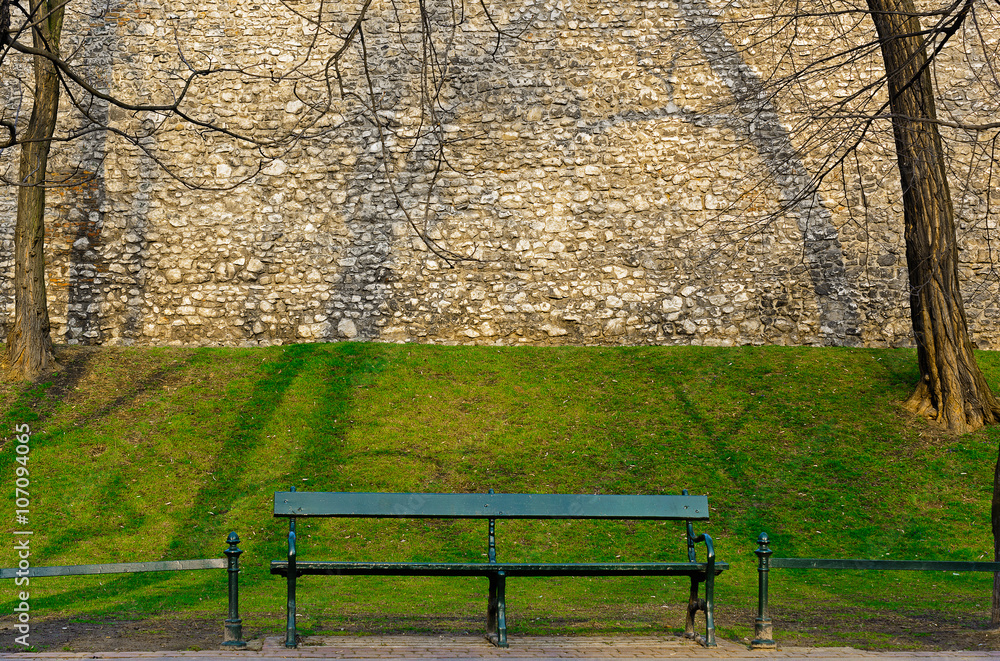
[[475, 648]]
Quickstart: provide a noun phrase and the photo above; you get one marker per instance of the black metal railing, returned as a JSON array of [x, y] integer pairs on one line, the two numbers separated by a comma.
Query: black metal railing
[[764, 630], [233, 630]]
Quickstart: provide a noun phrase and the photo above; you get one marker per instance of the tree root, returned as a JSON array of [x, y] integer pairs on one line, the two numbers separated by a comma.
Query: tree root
[[957, 417]]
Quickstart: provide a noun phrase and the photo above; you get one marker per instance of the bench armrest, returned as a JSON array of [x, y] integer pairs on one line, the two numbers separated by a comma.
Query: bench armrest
[[709, 550]]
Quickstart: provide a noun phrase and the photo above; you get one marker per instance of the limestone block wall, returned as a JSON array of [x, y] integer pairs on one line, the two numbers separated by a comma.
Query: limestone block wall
[[599, 182]]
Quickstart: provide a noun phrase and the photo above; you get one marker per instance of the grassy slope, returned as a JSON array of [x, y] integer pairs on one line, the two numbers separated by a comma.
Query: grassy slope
[[157, 454]]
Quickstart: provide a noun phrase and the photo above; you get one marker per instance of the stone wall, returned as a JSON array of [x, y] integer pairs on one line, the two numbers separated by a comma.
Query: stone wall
[[610, 174]]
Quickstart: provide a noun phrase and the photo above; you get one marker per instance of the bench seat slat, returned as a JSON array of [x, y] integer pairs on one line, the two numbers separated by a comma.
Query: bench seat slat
[[280, 567], [498, 506]]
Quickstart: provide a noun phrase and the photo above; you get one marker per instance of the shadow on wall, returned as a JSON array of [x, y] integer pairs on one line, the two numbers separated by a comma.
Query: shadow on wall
[[361, 286], [75, 268], [95, 244], [836, 296], [824, 276], [354, 261]]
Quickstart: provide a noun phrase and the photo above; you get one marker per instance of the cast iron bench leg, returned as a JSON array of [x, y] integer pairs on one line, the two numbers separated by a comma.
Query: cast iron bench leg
[[692, 608], [694, 605], [709, 609], [291, 639], [496, 611]]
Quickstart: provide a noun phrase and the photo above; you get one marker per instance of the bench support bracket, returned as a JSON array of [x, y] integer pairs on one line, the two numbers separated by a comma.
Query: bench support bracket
[[291, 639], [496, 611]]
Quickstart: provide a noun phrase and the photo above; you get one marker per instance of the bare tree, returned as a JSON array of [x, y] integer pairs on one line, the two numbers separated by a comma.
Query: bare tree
[[68, 103], [952, 389], [892, 67], [29, 347], [833, 135]]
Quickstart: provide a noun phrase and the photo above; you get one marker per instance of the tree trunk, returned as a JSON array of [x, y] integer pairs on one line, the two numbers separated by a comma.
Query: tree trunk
[[29, 343], [952, 389]]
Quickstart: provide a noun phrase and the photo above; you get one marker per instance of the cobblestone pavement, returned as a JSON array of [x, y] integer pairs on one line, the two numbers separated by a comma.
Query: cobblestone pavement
[[475, 648]]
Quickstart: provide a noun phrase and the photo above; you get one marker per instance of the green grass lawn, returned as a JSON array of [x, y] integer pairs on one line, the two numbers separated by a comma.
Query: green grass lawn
[[158, 453]]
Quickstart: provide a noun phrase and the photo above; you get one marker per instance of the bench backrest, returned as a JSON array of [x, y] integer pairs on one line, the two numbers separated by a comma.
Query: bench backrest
[[488, 506]]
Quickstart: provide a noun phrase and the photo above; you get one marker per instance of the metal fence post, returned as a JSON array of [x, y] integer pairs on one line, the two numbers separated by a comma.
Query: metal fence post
[[763, 631], [234, 625]]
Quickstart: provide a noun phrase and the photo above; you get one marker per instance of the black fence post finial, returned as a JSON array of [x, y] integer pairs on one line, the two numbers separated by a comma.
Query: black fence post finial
[[234, 625], [763, 631]]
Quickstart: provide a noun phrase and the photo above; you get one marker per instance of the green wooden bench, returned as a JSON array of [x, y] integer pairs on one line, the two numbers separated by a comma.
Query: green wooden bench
[[494, 506]]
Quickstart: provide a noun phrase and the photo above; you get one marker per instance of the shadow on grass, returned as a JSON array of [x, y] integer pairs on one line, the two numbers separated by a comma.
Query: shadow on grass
[[35, 402], [337, 367], [41, 402]]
